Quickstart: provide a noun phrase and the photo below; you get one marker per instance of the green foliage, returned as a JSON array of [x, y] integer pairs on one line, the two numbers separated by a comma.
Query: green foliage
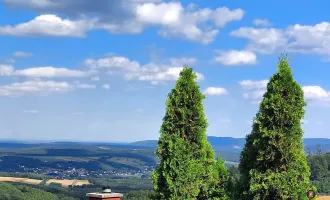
[[23, 192], [187, 165], [222, 185], [56, 185], [319, 167], [138, 195], [15, 191], [30, 193], [24, 175], [9, 192], [320, 171], [273, 163]]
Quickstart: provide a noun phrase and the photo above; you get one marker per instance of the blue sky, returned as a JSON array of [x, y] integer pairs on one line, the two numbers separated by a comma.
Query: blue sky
[[84, 71]]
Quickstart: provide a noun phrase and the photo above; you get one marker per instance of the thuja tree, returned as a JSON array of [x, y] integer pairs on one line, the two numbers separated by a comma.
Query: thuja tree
[[273, 162], [187, 168]]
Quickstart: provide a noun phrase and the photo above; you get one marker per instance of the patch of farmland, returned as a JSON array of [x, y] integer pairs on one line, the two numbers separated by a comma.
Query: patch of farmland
[[82, 182], [20, 180], [64, 183], [67, 183]]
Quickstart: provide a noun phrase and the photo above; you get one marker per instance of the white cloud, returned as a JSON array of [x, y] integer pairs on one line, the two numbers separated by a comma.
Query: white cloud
[[85, 86], [234, 57], [95, 78], [263, 40], [306, 39], [317, 95], [48, 25], [223, 15], [34, 87], [106, 86], [261, 22], [50, 72], [6, 70], [31, 111], [180, 62], [22, 54], [250, 84], [215, 91], [255, 96], [177, 21], [155, 73], [115, 62], [125, 16], [163, 13], [253, 90], [310, 39], [315, 92]]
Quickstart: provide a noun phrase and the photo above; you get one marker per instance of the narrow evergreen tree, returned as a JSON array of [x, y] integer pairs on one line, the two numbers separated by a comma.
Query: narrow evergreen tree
[[187, 165], [273, 162]]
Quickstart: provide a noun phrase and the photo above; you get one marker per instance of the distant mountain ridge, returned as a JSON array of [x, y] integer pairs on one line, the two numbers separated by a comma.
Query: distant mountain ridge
[[235, 145]]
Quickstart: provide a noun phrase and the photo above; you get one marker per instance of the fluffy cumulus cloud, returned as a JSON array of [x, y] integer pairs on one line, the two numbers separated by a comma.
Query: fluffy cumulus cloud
[[44, 72], [253, 90], [122, 16], [48, 25], [22, 54], [34, 83], [154, 73], [215, 91], [189, 24], [309, 39], [6, 70], [235, 57], [34, 87], [317, 95], [41, 87], [50, 72]]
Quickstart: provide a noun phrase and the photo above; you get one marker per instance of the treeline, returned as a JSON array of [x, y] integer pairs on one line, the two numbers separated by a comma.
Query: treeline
[[22, 192], [19, 163], [24, 175], [91, 153], [320, 170]]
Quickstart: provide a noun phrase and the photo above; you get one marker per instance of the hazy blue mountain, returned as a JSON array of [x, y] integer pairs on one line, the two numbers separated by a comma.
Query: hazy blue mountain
[[235, 145]]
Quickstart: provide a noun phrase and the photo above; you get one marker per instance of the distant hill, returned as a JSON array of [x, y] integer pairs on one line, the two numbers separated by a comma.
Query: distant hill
[[235, 145]]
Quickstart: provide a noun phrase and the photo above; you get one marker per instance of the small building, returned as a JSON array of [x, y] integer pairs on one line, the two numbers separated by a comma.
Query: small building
[[106, 194]]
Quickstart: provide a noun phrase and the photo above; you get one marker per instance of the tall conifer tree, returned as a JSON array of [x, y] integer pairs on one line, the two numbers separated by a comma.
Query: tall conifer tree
[[273, 162], [187, 168]]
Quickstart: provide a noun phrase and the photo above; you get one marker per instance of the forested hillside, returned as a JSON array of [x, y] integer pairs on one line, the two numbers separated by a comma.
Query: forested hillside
[[320, 171], [22, 192]]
